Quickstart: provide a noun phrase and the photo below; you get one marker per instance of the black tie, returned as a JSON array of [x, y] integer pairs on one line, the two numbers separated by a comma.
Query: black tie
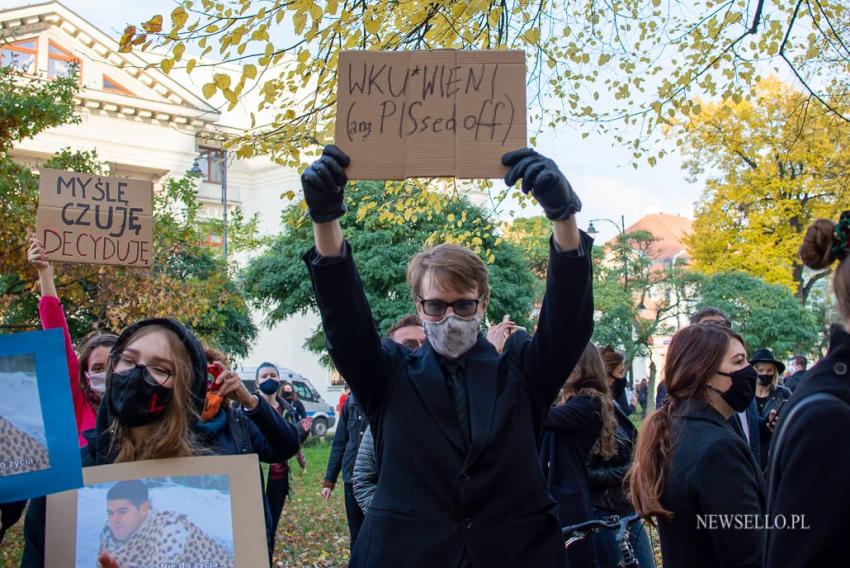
[[454, 379]]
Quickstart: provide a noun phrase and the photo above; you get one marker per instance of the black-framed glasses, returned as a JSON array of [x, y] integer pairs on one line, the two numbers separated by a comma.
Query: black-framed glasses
[[153, 375], [463, 307]]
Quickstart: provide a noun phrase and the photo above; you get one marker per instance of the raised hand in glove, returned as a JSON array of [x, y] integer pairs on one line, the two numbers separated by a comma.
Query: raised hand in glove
[[544, 180], [324, 185]]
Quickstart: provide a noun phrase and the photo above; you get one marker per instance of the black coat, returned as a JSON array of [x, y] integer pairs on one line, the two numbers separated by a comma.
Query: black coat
[[811, 475], [777, 395], [435, 499], [606, 477], [752, 436], [711, 471], [569, 432], [792, 382], [349, 433]]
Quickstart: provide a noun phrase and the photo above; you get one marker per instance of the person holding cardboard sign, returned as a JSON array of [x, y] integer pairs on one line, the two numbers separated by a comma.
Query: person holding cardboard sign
[[455, 423]]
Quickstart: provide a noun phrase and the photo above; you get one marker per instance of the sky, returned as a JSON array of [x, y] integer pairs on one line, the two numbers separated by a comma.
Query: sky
[[600, 172]]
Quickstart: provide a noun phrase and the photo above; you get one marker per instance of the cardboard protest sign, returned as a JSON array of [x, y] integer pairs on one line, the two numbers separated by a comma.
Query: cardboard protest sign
[[430, 113], [202, 511], [39, 450], [95, 219]]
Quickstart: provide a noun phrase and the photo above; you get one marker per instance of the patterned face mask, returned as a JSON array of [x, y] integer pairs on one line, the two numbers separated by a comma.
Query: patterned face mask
[[453, 335]]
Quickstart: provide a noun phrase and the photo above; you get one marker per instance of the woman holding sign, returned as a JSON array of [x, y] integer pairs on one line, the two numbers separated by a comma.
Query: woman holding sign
[[156, 387], [88, 374]]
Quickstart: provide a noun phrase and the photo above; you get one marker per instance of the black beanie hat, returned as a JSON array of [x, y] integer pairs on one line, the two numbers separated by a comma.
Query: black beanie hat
[[196, 353]]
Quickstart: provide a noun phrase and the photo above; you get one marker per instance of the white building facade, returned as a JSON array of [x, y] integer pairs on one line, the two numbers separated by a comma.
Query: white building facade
[[151, 126]]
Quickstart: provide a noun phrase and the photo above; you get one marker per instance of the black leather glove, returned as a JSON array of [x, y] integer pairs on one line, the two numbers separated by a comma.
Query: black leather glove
[[544, 180], [324, 185]]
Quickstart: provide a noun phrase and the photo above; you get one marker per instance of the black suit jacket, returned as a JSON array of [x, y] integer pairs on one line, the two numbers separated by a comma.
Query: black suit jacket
[[434, 499], [811, 478], [711, 472]]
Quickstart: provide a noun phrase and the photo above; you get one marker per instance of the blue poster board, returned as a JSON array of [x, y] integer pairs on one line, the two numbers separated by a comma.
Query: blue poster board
[[39, 448]]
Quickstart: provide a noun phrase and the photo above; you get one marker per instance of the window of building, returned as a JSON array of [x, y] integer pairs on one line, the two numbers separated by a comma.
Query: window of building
[[336, 378], [113, 86], [211, 162], [20, 55], [60, 61]]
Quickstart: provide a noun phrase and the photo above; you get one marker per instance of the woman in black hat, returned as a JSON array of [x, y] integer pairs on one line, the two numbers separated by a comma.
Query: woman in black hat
[[769, 397]]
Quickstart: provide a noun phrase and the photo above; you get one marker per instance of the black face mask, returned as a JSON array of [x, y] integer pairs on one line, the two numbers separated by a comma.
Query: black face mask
[[740, 394], [287, 395], [269, 386], [765, 380], [136, 399], [618, 388]]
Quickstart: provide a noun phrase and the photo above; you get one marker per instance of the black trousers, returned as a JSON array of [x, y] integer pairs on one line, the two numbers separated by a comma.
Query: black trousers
[[352, 512], [276, 492]]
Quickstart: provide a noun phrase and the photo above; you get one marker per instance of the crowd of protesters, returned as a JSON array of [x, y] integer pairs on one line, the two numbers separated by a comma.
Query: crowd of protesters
[[462, 450]]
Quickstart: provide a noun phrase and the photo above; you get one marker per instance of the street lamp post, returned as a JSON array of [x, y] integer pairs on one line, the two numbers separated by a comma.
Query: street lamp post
[[621, 230]]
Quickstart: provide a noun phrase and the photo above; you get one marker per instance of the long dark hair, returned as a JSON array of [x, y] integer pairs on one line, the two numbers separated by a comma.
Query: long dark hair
[[694, 357], [589, 379]]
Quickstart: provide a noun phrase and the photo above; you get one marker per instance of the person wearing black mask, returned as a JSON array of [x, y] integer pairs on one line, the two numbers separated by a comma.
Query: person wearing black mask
[[746, 421], [770, 395], [691, 469], [615, 370], [608, 494], [277, 486], [287, 391], [156, 392]]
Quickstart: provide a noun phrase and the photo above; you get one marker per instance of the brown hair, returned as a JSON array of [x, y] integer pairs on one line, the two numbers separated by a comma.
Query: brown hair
[[92, 342], [589, 379], [611, 359], [821, 247], [454, 267], [695, 355], [171, 437], [214, 355], [410, 320], [709, 311]]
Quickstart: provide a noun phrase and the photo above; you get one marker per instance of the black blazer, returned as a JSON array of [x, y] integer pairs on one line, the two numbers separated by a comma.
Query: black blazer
[[711, 471], [811, 475], [570, 431], [436, 500]]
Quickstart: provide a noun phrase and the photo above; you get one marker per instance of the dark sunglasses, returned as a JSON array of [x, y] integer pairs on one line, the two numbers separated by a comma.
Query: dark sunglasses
[[463, 308]]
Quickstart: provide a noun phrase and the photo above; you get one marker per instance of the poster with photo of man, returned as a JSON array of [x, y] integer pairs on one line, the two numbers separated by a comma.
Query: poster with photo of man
[[39, 451], [202, 511]]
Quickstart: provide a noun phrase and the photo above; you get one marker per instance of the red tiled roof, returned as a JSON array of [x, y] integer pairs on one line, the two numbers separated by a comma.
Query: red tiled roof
[[670, 231]]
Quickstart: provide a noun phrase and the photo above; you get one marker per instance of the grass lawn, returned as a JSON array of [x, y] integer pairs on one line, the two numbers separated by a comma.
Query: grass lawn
[[312, 533]]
